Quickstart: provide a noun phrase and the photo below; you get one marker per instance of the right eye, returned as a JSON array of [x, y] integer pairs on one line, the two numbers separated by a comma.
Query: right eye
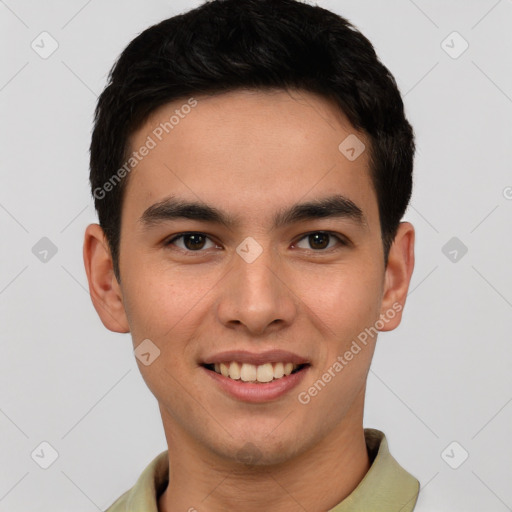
[[191, 242]]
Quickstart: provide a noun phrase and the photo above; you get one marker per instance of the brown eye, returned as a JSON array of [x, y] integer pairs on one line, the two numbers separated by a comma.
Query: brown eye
[[194, 242], [191, 241], [320, 240]]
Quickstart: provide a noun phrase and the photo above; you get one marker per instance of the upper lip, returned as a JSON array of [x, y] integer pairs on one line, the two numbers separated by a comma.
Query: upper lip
[[243, 356]]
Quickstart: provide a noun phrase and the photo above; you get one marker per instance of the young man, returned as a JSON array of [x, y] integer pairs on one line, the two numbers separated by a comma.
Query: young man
[[251, 163]]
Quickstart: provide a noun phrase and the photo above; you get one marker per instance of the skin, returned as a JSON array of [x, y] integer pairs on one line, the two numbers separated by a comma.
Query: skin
[[251, 154]]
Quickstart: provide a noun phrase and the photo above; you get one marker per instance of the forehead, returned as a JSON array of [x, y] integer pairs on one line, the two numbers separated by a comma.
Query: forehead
[[249, 150]]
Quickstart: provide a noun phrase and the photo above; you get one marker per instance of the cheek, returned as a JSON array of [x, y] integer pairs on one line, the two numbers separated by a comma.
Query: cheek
[[158, 302], [344, 302]]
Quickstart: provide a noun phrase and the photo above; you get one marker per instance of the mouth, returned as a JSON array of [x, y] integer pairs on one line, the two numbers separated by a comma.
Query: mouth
[[255, 373], [256, 377]]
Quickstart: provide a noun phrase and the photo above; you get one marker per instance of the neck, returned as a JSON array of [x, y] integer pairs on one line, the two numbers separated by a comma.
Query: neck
[[315, 480]]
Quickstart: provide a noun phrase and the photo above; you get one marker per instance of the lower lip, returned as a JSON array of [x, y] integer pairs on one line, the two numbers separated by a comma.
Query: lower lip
[[257, 392]]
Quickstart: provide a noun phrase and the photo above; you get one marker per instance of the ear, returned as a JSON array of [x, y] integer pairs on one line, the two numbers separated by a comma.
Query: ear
[[397, 277], [103, 286]]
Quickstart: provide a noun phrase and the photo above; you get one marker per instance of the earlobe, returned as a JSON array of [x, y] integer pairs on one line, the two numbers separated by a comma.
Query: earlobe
[[397, 276], [103, 286]]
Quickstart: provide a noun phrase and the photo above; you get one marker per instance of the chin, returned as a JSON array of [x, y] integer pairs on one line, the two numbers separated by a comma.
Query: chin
[[258, 450]]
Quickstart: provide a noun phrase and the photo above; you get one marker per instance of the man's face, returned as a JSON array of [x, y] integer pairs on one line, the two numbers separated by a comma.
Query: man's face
[[305, 286]]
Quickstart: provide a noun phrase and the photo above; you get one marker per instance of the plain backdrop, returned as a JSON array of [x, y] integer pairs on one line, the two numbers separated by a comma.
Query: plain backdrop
[[440, 385]]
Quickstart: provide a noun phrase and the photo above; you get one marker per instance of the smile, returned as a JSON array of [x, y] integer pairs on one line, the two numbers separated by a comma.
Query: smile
[[262, 373]]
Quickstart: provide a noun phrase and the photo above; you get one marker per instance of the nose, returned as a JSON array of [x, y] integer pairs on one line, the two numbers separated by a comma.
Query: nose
[[257, 296]]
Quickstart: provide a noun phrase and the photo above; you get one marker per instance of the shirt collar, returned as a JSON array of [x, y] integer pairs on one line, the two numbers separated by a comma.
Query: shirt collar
[[386, 486]]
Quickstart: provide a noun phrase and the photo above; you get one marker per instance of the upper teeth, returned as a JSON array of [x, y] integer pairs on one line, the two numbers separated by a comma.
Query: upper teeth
[[251, 373]]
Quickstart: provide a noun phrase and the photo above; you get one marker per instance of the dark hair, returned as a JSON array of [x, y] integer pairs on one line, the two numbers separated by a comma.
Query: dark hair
[[225, 45]]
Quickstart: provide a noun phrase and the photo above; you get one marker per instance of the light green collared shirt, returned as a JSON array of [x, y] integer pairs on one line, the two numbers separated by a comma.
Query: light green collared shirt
[[387, 487]]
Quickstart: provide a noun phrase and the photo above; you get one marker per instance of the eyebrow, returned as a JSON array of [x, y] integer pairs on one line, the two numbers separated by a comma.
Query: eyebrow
[[171, 208]]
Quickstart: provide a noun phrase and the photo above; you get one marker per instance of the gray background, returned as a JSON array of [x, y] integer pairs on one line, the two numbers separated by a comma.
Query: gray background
[[443, 376]]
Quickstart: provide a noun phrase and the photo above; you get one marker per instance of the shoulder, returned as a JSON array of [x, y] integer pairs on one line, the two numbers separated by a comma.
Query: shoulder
[[144, 494]]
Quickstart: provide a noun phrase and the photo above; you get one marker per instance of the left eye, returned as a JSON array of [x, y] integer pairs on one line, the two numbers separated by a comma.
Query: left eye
[[320, 240], [191, 241]]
